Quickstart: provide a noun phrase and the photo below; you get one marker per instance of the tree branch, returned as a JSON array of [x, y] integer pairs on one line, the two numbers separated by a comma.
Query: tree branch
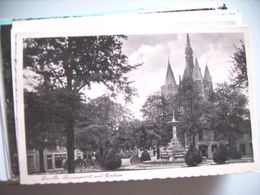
[[57, 77]]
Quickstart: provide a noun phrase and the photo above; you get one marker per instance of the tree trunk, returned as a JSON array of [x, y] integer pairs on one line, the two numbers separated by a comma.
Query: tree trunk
[[158, 152], [70, 119], [193, 140], [70, 144], [42, 170]]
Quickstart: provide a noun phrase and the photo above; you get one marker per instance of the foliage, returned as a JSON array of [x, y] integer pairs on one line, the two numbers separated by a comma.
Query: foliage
[[76, 62], [193, 111], [145, 156], [232, 114], [193, 156], [43, 120], [220, 156], [239, 76], [155, 130], [92, 138], [110, 160], [233, 152], [73, 63], [102, 111], [157, 108], [100, 122], [145, 134], [231, 101], [124, 136]]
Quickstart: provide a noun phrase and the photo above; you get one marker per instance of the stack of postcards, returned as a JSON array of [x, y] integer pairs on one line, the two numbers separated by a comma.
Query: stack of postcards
[[127, 96]]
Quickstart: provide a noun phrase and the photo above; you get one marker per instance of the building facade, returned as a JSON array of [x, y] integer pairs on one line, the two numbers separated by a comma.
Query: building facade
[[192, 74], [53, 160]]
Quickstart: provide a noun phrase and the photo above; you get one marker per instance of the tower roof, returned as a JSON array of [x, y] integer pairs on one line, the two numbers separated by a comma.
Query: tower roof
[[207, 76], [187, 74], [196, 74], [169, 80], [188, 49]]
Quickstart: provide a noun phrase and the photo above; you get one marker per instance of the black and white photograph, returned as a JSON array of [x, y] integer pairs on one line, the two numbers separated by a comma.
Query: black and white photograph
[[119, 104]]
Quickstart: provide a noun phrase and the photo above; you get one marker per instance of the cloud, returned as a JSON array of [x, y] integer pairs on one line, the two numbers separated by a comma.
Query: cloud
[[213, 49], [149, 77], [218, 63]]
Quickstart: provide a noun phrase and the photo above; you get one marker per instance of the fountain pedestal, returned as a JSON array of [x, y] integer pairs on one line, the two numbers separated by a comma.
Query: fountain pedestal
[[177, 150]]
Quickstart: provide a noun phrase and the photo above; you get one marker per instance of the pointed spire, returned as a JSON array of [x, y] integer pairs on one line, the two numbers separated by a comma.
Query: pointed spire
[[189, 54], [207, 76], [169, 80], [196, 74], [188, 40], [188, 49]]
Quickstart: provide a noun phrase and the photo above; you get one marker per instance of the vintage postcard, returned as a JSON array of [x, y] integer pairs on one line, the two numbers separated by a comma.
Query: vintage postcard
[[99, 101]]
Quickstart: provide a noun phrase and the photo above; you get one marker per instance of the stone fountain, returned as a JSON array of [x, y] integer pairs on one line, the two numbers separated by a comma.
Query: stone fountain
[[177, 150]]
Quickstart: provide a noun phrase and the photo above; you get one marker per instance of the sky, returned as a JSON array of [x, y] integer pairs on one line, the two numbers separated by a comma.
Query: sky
[[211, 49], [153, 51]]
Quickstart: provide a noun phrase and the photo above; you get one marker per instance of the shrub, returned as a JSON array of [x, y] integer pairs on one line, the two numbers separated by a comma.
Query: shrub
[[233, 153], [135, 160], [145, 156], [111, 160], [221, 155], [193, 156]]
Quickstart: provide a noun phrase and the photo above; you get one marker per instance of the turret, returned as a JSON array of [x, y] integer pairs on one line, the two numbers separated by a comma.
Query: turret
[[169, 79], [170, 88], [208, 84], [207, 76], [198, 79], [196, 74]]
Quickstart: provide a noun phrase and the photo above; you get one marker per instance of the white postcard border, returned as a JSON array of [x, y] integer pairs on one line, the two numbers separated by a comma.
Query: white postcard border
[[44, 28]]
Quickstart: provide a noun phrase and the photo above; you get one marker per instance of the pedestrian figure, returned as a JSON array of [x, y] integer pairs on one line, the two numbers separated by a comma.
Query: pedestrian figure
[[93, 159]]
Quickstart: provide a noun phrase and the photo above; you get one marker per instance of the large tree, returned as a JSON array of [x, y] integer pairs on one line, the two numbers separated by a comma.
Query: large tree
[[239, 76], [43, 121], [232, 115], [102, 111], [125, 138], [155, 130], [73, 63], [192, 110], [146, 134], [101, 123]]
